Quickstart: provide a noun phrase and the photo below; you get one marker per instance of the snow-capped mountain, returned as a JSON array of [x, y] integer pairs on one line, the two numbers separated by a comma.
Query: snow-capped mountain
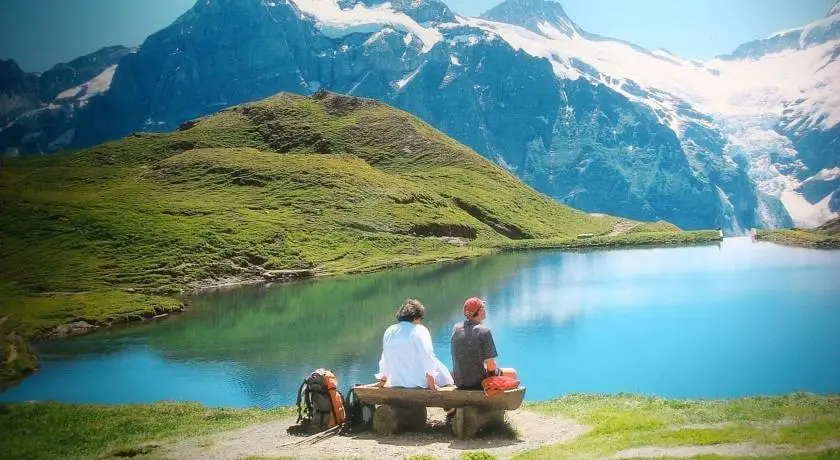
[[747, 139], [763, 98], [533, 14]]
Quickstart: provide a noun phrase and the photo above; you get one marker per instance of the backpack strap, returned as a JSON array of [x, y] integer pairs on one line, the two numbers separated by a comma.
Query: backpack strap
[[299, 400], [348, 423], [351, 397], [332, 407]]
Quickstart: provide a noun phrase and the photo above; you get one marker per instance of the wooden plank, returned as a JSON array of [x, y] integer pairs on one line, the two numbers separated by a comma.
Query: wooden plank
[[447, 397]]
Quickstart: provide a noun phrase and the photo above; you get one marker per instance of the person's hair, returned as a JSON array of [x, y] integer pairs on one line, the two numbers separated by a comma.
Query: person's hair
[[410, 310]]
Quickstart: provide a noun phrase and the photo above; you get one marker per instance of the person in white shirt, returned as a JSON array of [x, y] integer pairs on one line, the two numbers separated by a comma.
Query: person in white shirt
[[408, 358]]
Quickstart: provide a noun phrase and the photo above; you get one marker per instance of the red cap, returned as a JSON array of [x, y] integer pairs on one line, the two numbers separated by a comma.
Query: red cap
[[471, 306]]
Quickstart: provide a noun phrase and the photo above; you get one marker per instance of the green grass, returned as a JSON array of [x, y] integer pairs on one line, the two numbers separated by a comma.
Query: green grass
[[654, 227], [19, 359], [477, 455], [315, 186], [260, 457], [45, 311], [625, 422], [827, 236], [637, 238], [802, 421], [799, 237], [50, 430]]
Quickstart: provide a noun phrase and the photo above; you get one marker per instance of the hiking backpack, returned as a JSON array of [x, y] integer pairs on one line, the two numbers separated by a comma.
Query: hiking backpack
[[320, 404]]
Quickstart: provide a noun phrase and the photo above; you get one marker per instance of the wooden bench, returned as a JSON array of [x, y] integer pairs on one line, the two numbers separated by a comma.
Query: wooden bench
[[405, 408]]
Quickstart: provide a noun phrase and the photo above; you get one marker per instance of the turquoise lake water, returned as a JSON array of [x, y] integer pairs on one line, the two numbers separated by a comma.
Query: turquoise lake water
[[720, 321]]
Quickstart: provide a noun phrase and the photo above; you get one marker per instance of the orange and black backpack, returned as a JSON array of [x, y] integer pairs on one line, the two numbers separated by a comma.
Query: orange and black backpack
[[499, 384], [320, 404]]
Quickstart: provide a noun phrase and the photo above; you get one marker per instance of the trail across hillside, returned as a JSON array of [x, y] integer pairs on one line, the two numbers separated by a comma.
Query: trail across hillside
[[622, 226]]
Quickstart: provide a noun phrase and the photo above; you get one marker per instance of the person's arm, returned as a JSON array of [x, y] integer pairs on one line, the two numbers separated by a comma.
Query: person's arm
[[490, 365], [382, 375], [427, 355], [488, 352]]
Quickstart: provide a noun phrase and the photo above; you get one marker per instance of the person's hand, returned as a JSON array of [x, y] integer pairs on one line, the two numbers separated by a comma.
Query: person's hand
[[430, 380], [381, 382]]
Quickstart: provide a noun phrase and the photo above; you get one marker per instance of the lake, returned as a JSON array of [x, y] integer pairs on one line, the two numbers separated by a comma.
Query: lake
[[737, 319]]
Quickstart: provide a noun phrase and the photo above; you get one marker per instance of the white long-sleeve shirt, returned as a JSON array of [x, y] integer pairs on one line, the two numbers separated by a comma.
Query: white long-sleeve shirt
[[408, 355]]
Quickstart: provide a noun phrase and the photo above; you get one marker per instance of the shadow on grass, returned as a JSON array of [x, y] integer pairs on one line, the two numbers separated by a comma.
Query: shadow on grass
[[134, 452]]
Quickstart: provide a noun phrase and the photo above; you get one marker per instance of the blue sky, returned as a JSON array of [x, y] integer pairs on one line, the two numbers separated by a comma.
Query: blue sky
[[40, 33]]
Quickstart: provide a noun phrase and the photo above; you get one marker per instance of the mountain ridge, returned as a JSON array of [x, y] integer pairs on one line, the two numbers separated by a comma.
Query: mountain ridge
[[700, 85], [747, 163]]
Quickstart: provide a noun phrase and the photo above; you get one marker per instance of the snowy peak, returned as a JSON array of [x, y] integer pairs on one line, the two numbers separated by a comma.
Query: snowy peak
[[815, 34], [422, 11], [338, 19], [834, 9], [97, 85], [529, 14]]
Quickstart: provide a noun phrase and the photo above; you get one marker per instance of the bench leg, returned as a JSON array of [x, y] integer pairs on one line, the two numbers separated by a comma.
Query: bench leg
[[388, 419], [468, 421]]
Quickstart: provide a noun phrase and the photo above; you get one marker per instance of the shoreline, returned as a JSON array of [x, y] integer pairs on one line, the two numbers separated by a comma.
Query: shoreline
[[798, 238], [83, 326]]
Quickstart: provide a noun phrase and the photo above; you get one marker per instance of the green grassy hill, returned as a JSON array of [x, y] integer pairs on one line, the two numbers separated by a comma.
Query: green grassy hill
[[286, 187], [826, 236]]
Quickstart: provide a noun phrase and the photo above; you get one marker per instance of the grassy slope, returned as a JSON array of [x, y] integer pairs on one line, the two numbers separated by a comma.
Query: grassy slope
[[47, 430], [825, 236], [51, 430], [624, 422], [329, 185]]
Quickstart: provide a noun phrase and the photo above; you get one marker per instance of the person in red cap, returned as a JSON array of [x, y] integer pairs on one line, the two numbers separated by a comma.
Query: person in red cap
[[473, 350]]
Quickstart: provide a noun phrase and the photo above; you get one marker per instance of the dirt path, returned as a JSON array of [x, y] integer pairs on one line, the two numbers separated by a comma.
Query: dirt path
[[534, 430], [621, 227]]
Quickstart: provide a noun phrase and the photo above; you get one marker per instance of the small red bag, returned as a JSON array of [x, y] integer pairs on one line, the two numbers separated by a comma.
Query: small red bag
[[499, 384]]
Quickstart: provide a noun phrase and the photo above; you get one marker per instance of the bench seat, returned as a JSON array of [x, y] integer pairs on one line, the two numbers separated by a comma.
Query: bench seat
[[405, 408], [446, 397]]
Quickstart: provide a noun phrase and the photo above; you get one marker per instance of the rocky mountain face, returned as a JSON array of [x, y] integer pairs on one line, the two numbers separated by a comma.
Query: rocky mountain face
[[811, 122], [18, 91], [597, 123], [530, 14], [583, 144], [219, 53], [37, 110]]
